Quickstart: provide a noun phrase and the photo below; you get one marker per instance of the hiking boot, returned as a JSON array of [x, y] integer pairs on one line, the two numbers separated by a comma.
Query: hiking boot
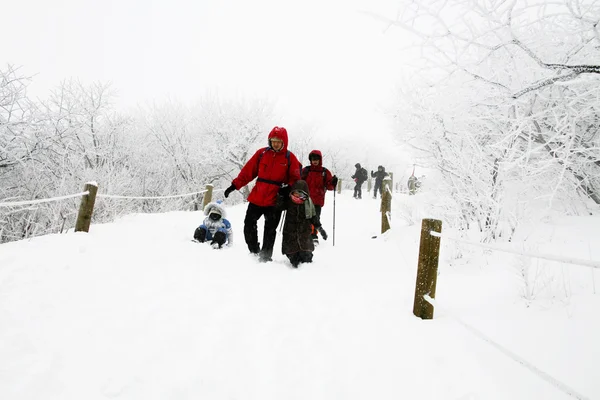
[[263, 258], [254, 249], [200, 235]]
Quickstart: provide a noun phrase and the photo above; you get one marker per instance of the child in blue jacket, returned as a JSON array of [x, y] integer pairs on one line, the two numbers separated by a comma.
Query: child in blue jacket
[[215, 228]]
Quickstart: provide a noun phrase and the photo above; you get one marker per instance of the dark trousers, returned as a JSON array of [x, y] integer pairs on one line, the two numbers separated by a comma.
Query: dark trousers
[[272, 217], [315, 233], [376, 189], [358, 190], [300, 257]]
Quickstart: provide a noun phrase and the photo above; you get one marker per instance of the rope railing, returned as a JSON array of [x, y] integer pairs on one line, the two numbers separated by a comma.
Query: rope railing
[[113, 196], [88, 199], [569, 260], [39, 201], [543, 375]]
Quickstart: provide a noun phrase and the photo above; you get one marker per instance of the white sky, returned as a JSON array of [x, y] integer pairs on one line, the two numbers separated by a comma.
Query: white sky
[[135, 310], [321, 59]]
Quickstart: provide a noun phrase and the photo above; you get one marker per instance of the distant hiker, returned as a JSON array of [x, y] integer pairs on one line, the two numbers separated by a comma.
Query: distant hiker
[[360, 176], [319, 180], [274, 166], [297, 242], [215, 227], [379, 175], [413, 184]]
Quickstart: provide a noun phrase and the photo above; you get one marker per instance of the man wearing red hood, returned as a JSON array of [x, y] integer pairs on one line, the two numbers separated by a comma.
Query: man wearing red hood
[[274, 166], [319, 180]]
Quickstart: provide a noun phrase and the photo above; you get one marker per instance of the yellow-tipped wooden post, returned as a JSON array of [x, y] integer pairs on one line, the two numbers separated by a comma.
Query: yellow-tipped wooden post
[[429, 256], [339, 186], [386, 205], [86, 208], [207, 195]]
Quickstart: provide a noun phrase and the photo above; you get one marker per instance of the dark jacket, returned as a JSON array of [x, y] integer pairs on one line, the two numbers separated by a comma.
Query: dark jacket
[[318, 179], [272, 166], [379, 175], [297, 228], [360, 175]]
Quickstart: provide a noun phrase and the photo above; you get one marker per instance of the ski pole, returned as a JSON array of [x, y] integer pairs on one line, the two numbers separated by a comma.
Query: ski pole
[[281, 222], [335, 190]]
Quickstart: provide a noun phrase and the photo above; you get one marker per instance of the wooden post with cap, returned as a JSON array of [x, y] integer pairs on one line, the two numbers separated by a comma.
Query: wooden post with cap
[[86, 207], [429, 255], [386, 205]]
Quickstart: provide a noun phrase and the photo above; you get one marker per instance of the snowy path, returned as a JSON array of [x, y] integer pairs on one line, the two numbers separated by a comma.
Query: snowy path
[[135, 310]]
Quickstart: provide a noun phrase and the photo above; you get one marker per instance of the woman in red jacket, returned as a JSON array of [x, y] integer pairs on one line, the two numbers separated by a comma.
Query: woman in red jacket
[[319, 180], [274, 166]]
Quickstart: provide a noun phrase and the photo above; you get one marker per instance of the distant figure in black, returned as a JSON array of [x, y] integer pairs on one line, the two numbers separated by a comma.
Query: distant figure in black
[[379, 175], [360, 176]]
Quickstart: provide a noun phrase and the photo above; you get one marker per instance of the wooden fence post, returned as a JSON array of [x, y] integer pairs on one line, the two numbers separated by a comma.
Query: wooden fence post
[[86, 207], [339, 186], [207, 196], [386, 205], [429, 255]]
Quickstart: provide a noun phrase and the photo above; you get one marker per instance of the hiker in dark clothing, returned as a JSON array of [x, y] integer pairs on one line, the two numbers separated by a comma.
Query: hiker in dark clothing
[[360, 176], [297, 243], [379, 175]]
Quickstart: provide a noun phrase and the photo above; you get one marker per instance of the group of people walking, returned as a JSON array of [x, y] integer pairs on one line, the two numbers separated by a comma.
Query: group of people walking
[[361, 175], [281, 185]]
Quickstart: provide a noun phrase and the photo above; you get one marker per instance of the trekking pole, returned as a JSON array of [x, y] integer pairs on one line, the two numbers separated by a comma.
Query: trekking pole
[[333, 235], [283, 214]]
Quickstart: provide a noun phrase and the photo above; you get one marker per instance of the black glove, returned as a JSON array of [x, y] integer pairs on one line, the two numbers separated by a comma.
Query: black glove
[[229, 190], [334, 181], [322, 232], [371, 172]]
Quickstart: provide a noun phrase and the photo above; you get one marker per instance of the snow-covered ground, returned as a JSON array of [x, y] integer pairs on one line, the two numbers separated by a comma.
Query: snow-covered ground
[[135, 310]]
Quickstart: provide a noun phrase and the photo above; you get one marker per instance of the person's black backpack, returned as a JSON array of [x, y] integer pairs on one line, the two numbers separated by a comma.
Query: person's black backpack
[[363, 174]]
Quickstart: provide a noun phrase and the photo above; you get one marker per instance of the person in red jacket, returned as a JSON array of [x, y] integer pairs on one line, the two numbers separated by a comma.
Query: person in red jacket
[[319, 180], [274, 166]]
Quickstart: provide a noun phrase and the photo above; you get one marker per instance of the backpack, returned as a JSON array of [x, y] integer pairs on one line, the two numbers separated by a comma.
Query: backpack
[[306, 170], [363, 175]]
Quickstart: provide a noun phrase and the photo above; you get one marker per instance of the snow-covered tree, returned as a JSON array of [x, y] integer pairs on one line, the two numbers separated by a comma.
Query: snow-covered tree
[[509, 100]]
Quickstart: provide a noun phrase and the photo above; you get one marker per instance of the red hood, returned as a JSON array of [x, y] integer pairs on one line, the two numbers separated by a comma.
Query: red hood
[[317, 152], [281, 133]]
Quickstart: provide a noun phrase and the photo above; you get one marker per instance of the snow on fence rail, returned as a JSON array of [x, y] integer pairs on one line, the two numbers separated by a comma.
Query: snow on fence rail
[[88, 199], [569, 260]]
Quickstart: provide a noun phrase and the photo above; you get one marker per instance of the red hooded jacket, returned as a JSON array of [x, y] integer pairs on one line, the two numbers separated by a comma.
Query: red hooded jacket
[[317, 183], [269, 165]]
